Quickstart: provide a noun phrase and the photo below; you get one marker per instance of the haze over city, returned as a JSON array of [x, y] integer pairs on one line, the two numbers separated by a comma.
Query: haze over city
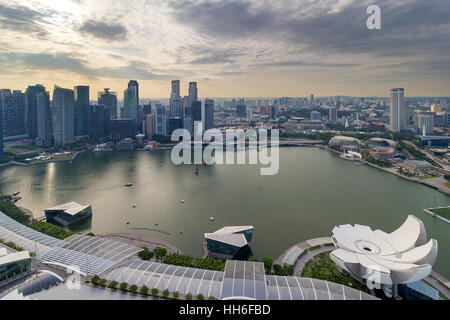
[[232, 48]]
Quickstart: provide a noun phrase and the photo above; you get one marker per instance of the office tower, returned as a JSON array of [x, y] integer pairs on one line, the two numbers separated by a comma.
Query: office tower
[[44, 120], [250, 116], [175, 89], [146, 110], [176, 107], [333, 114], [99, 120], [109, 99], [398, 110], [193, 93], [131, 101], [311, 100], [13, 112], [273, 113], [82, 110], [208, 114], [241, 111], [160, 120], [63, 116], [119, 129], [174, 124], [316, 116], [149, 125], [426, 124], [1, 127], [188, 125], [197, 111], [31, 109]]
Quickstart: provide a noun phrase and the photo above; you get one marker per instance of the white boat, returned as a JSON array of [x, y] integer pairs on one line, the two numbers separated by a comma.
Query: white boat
[[352, 156]]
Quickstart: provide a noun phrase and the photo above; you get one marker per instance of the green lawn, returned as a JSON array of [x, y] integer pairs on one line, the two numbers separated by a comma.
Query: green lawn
[[444, 213], [323, 268]]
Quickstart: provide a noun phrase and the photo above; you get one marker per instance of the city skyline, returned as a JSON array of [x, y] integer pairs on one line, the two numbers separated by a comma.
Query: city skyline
[[283, 49]]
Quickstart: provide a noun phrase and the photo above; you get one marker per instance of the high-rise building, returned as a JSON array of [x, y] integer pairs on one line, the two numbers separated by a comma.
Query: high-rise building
[[436, 108], [241, 111], [1, 127], [175, 89], [333, 114], [273, 113], [99, 118], [174, 124], [31, 109], [63, 116], [197, 111], [147, 109], [131, 101], [398, 111], [208, 114], [426, 124], [316, 116], [13, 112], [193, 93], [176, 107], [44, 119], [160, 120], [82, 110], [149, 125], [109, 99]]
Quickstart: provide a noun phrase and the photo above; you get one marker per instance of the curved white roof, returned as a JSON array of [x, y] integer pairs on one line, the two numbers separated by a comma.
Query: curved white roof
[[402, 256]]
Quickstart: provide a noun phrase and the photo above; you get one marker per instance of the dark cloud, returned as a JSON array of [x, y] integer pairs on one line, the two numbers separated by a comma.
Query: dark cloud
[[22, 19], [70, 63], [411, 27], [105, 31], [308, 64]]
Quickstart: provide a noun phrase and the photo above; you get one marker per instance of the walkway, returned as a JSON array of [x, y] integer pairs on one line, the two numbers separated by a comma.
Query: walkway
[[140, 240]]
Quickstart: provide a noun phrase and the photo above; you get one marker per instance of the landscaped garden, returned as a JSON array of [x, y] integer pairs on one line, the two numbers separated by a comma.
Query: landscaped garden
[[323, 268]]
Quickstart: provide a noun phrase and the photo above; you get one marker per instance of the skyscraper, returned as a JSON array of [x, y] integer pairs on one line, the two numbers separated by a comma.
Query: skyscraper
[[398, 110], [109, 99], [333, 114], [31, 109], [149, 125], [208, 114], [131, 101], [44, 120], [193, 93], [426, 124], [160, 120], [197, 111], [175, 89], [63, 116], [241, 111], [13, 112], [1, 127], [273, 113], [176, 107], [100, 116], [82, 110]]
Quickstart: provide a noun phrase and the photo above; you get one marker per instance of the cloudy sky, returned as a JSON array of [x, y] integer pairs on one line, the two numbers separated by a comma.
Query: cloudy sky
[[230, 47]]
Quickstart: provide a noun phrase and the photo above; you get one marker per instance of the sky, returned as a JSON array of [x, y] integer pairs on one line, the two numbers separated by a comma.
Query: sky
[[232, 48]]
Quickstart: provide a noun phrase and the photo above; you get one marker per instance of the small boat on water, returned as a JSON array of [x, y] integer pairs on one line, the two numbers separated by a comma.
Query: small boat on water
[[212, 219], [134, 205], [128, 185], [196, 171], [15, 194]]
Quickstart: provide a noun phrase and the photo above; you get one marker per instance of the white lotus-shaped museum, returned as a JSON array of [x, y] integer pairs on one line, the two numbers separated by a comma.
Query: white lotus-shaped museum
[[403, 256]]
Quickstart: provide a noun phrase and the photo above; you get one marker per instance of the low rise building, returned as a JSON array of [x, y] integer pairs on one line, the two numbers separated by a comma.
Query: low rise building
[[229, 242], [417, 166], [13, 263], [68, 214]]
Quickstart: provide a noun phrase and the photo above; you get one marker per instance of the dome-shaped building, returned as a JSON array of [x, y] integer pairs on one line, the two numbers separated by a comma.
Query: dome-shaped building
[[345, 142], [381, 142]]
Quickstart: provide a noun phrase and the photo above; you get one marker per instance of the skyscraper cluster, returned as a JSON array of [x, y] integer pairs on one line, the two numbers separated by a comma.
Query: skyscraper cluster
[[69, 116]]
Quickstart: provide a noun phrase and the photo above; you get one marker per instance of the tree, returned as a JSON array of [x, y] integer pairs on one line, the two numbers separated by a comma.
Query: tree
[[102, 282], [95, 279], [132, 288], [268, 262], [176, 295], [166, 293], [200, 297], [113, 284], [211, 298], [123, 286], [144, 290], [146, 254], [155, 292], [160, 253], [189, 296]]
